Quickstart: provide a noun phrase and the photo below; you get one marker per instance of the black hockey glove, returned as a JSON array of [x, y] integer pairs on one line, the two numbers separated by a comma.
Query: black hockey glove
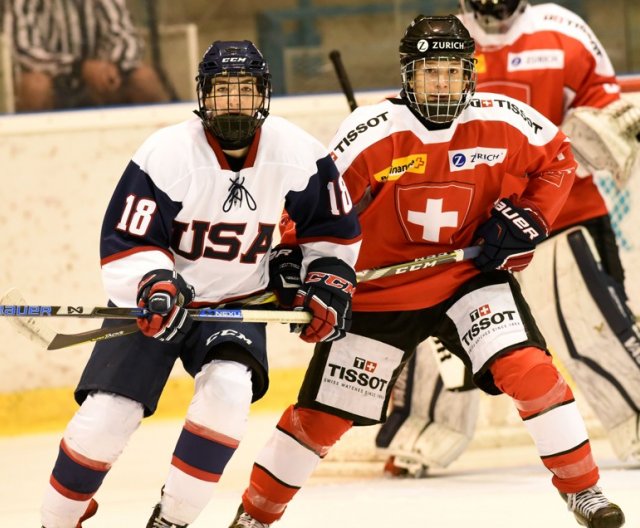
[[326, 293], [509, 237], [285, 264], [164, 293]]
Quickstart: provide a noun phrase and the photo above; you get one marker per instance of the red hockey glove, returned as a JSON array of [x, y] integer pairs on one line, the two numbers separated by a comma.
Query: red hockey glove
[[326, 293], [164, 293], [509, 237], [285, 264]]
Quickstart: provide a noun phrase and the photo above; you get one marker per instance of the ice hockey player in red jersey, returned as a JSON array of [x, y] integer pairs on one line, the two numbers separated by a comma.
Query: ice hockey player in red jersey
[[426, 172], [547, 57], [191, 222]]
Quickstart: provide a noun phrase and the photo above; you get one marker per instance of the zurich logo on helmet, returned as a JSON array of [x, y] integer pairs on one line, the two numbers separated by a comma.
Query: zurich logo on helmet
[[423, 45]]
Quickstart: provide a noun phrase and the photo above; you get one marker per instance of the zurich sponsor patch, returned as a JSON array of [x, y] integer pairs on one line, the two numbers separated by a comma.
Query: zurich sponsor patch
[[543, 59], [467, 159]]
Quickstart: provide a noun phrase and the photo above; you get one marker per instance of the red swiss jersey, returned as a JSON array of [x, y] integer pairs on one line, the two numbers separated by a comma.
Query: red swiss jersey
[[551, 60], [419, 192]]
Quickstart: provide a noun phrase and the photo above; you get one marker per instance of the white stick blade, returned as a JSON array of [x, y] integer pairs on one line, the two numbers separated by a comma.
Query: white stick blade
[[33, 328]]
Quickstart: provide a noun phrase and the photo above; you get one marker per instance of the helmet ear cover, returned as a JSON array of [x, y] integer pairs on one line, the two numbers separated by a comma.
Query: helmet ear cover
[[234, 62]]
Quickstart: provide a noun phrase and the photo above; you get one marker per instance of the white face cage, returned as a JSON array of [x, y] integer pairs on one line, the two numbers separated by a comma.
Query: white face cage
[[439, 88]]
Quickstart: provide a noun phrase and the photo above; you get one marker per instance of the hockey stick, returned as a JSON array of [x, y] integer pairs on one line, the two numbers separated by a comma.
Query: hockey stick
[[33, 327], [30, 327], [27, 317], [115, 312], [449, 257], [343, 78]]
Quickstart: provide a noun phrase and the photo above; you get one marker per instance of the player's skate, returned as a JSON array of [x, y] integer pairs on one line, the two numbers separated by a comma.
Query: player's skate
[[402, 467], [157, 521], [244, 520], [592, 509]]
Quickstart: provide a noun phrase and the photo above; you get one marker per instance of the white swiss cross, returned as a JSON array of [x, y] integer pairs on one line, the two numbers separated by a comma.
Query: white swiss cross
[[433, 219]]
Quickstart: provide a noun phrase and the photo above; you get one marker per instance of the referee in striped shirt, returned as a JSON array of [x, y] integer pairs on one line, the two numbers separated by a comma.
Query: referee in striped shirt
[[73, 53]]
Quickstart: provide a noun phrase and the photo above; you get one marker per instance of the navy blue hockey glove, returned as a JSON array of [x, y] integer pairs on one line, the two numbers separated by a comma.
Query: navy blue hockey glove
[[164, 293], [509, 237], [285, 265], [326, 293]]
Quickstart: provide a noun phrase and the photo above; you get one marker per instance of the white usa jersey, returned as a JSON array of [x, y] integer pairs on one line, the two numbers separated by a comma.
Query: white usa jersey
[[179, 205]]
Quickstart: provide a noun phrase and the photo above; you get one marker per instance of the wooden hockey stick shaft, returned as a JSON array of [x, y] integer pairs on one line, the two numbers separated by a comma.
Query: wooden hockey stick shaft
[[343, 79], [449, 257]]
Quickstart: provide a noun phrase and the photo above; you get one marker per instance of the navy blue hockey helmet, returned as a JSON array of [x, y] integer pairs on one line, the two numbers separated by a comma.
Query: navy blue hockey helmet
[[435, 44], [495, 16], [234, 91]]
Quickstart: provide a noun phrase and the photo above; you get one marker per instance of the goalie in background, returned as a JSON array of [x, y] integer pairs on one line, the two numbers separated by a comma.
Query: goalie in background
[[575, 284], [425, 170]]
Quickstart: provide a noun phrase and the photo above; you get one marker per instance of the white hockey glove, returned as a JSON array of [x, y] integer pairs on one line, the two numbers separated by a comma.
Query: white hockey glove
[[606, 138]]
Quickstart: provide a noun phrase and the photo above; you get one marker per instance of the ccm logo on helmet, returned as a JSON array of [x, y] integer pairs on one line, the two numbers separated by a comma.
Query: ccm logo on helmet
[[234, 59], [517, 220]]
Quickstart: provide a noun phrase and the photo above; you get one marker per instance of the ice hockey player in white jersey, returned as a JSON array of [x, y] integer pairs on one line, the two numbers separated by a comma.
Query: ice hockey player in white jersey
[[191, 222]]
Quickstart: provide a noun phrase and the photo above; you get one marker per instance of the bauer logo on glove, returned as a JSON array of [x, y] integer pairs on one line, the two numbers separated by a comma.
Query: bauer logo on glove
[[509, 237]]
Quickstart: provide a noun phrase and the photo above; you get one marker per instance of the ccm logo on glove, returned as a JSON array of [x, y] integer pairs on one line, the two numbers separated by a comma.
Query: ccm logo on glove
[[326, 293], [331, 280]]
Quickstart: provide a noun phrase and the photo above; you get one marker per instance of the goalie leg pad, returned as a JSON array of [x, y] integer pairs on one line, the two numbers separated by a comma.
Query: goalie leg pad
[[428, 425], [589, 327]]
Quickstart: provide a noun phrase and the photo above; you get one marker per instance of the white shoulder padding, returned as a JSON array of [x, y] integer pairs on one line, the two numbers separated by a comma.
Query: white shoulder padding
[[605, 139]]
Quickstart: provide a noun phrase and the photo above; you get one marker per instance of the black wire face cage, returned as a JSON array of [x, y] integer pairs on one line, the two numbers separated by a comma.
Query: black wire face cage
[[233, 106], [444, 86]]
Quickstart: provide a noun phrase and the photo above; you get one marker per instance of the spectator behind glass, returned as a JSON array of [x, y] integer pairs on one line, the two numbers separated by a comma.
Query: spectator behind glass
[[74, 53]]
